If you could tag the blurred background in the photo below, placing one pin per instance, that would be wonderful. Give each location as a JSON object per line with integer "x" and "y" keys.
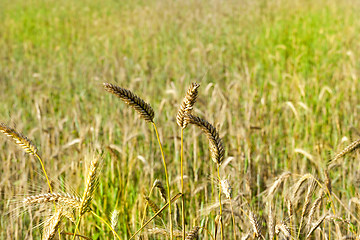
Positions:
{"x": 279, "y": 80}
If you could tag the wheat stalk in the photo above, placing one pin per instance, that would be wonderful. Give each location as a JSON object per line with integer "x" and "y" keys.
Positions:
{"x": 216, "y": 146}
{"x": 187, "y": 105}
{"x": 52, "y": 225}
{"x": 271, "y": 222}
{"x": 67, "y": 199}
{"x": 90, "y": 186}
{"x": 140, "y": 106}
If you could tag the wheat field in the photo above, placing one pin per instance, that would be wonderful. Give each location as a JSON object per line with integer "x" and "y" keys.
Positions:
{"x": 267, "y": 136}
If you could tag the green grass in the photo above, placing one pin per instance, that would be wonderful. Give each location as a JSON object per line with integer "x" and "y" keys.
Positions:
{"x": 275, "y": 76}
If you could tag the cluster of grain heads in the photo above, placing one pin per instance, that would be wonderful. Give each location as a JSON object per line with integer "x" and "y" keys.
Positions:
{"x": 140, "y": 106}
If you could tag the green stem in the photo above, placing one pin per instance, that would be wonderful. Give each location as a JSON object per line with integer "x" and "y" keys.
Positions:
{"x": 167, "y": 179}
{"x": 43, "y": 168}
{"x": 221, "y": 225}
{"x": 182, "y": 186}
{"x": 233, "y": 218}
{"x": 107, "y": 224}
{"x": 76, "y": 227}
{"x": 161, "y": 209}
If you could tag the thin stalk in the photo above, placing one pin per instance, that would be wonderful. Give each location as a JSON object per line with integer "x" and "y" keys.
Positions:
{"x": 233, "y": 218}
{"x": 43, "y": 168}
{"x": 167, "y": 179}
{"x": 212, "y": 237}
{"x": 182, "y": 186}
{"x": 78, "y": 235}
{"x": 221, "y": 225}
{"x": 107, "y": 224}
{"x": 76, "y": 227}
{"x": 161, "y": 209}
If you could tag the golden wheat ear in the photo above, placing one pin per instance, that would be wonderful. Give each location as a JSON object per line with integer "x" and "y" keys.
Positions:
{"x": 187, "y": 105}
{"x": 52, "y": 225}
{"x": 216, "y": 145}
{"x": 140, "y": 106}
{"x": 20, "y": 139}
{"x": 90, "y": 186}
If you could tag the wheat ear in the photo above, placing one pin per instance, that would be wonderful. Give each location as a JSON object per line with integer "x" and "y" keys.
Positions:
{"x": 314, "y": 207}
{"x": 193, "y": 233}
{"x": 67, "y": 199}
{"x": 52, "y": 225}
{"x": 226, "y": 188}
{"x": 26, "y": 144}
{"x": 284, "y": 229}
{"x": 20, "y": 139}
{"x": 255, "y": 224}
{"x": 354, "y": 145}
{"x": 153, "y": 206}
{"x": 114, "y": 220}
{"x": 187, "y": 105}
{"x": 90, "y": 186}
{"x": 140, "y": 106}
{"x": 299, "y": 183}
{"x": 328, "y": 182}
{"x": 216, "y": 145}
{"x": 164, "y": 232}
{"x": 316, "y": 225}
{"x": 158, "y": 184}
{"x": 278, "y": 182}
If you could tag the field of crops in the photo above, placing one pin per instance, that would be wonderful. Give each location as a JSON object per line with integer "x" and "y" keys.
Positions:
{"x": 279, "y": 90}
